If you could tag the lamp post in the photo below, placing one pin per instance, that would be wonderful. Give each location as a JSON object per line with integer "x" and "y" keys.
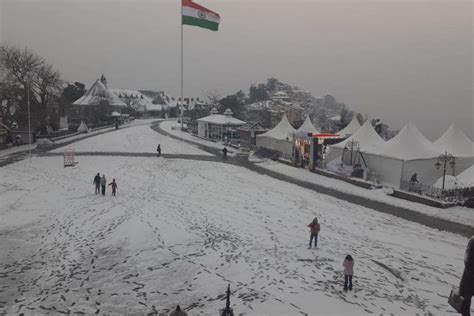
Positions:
{"x": 444, "y": 159}
{"x": 29, "y": 118}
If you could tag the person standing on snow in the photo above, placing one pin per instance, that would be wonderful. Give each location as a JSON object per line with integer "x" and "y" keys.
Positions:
{"x": 158, "y": 150}
{"x": 348, "y": 265}
{"x": 103, "y": 183}
{"x": 315, "y": 228}
{"x": 97, "y": 183}
{"x": 466, "y": 287}
{"x": 114, "y": 186}
{"x": 224, "y": 152}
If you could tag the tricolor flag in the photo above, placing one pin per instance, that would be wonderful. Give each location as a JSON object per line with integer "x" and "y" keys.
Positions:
{"x": 197, "y": 15}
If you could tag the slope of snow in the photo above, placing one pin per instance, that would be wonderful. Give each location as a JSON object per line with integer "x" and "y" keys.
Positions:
{"x": 457, "y": 214}
{"x": 139, "y": 138}
{"x": 179, "y": 231}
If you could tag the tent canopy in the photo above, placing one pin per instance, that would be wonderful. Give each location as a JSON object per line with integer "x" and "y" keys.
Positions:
{"x": 307, "y": 127}
{"x": 351, "y": 128}
{"x": 282, "y": 131}
{"x": 455, "y": 142}
{"x": 409, "y": 144}
{"x": 366, "y": 136}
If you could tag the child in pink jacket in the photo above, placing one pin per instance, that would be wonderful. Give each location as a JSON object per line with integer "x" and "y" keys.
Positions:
{"x": 348, "y": 265}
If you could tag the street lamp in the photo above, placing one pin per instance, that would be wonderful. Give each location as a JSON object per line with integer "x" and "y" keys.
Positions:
{"x": 29, "y": 118}
{"x": 444, "y": 159}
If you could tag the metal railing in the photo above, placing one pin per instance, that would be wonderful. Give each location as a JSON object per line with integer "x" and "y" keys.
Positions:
{"x": 448, "y": 195}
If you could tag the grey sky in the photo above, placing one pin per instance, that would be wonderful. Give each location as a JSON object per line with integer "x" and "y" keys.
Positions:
{"x": 397, "y": 60}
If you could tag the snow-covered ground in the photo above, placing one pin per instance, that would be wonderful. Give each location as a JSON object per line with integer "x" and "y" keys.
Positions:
{"x": 140, "y": 138}
{"x": 174, "y": 128}
{"x": 457, "y": 214}
{"x": 179, "y": 231}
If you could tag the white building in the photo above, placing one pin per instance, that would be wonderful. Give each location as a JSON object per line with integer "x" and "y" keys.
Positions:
{"x": 218, "y": 126}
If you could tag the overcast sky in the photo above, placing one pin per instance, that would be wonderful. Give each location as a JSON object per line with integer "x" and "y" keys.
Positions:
{"x": 397, "y": 60}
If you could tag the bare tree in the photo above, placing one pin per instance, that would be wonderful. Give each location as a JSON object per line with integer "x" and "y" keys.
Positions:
{"x": 213, "y": 97}
{"x": 132, "y": 102}
{"x": 25, "y": 70}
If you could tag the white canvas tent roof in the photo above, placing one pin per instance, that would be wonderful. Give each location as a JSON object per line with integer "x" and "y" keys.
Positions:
{"x": 467, "y": 176}
{"x": 282, "y": 131}
{"x": 409, "y": 144}
{"x": 366, "y": 136}
{"x": 351, "y": 128}
{"x": 221, "y": 119}
{"x": 307, "y": 127}
{"x": 455, "y": 142}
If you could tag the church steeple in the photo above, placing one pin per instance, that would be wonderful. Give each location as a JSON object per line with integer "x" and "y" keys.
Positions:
{"x": 103, "y": 80}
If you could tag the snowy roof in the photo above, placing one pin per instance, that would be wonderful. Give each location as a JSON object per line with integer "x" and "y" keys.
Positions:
{"x": 409, "y": 144}
{"x": 308, "y": 127}
{"x": 351, "y": 128}
{"x": 455, "y": 142}
{"x": 221, "y": 119}
{"x": 98, "y": 93}
{"x": 366, "y": 136}
{"x": 283, "y": 130}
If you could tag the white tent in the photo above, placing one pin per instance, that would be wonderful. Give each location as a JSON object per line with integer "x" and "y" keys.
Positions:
{"x": 399, "y": 158}
{"x": 280, "y": 138}
{"x": 365, "y": 140}
{"x": 307, "y": 127}
{"x": 467, "y": 177}
{"x": 457, "y": 144}
{"x": 351, "y": 128}
{"x": 83, "y": 128}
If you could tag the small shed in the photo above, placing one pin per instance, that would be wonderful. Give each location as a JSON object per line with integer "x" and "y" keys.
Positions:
{"x": 248, "y": 133}
{"x": 219, "y": 126}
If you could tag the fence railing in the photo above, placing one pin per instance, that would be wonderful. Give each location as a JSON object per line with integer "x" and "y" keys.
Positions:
{"x": 449, "y": 195}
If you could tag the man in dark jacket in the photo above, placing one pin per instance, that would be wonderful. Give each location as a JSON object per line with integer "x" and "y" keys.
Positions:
{"x": 97, "y": 183}
{"x": 158, "y": 150}
{"x": 466, "y": 287}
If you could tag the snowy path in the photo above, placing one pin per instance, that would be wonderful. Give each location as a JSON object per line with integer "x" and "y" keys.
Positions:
{"x": 179, "y": 231}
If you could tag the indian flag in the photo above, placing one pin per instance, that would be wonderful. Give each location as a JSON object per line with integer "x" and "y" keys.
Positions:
{"x": 197, "y": 15}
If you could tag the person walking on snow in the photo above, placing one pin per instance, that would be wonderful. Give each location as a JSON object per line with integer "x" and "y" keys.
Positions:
{"x": 224, "y": 152}
{"x": 158, "y": 150}
{"x": 114, "y": 186}
{"x": 315, "y": 228}
{"x": 103, "y": 183}
{"x": 97, "y": 183}
{"x": 348, "y": 265}
{"x": 466, "y": 287}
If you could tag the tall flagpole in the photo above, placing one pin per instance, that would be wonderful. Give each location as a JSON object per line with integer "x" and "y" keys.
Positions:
{"x": 182, "y": 98}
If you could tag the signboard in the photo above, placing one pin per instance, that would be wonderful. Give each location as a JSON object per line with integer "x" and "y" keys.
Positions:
{"x": 69, "y": 158}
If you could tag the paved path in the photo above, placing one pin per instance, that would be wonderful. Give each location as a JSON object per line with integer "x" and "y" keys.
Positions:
{"x": 407, "y": 214}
